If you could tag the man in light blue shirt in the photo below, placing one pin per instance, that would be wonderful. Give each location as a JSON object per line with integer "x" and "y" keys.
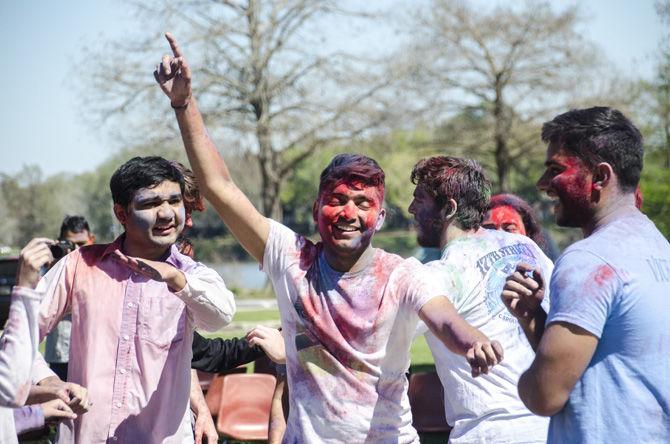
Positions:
{"x": 602, "y": 365}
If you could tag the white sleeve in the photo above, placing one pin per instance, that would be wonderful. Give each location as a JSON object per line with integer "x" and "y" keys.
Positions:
{"x": 18, "y": 347}
{"x": 207, "y": 299}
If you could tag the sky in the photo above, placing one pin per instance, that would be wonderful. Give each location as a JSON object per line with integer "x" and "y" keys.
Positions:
{"x": 41, "y": 41}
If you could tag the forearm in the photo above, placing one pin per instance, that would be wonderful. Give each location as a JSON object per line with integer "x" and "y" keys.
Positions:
{"x": 444, "y": 321}
{"x": 18, "y": 347}
{"x": 533, "y": 327}
{"x": 197, "y": 398}
{"x": 277, "y": 425}
{"x": 217, "y": 355}
{"x": 28, "y": 418}
{"x": 539, "y": 396}
{"x": 207, "y": 299}
{"x": 208, "y": 166}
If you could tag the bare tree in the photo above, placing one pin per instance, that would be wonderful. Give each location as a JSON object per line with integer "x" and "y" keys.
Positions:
{"x": 267, "y": 77}
{"x": 502, "y": 68}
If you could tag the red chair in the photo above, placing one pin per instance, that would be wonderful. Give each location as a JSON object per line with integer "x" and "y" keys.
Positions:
{"x": 426, "y": 397}
{"x": 244, "y": 412}
{"x": 211, "y": 384}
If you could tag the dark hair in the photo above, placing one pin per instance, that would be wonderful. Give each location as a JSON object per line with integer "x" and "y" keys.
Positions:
{"x": 142, "y": 172}
{"x": 73, "y": 224}
{"x": 530, "y": 223}
{"x": 446, "y": 177}
{"x": 193, "y": 200}
{"x": 600, "y": 134}
{"x": 352, "y": 168}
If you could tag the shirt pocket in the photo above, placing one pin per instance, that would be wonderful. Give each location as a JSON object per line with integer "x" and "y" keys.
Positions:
{"x": 161, "y": 319}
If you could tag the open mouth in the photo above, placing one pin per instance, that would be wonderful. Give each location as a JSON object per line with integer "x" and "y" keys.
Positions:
{"x": 163, "y": 230}
{"x": 345, "y": 229}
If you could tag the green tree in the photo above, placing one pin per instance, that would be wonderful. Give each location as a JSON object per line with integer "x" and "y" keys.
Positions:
{"x": 495, "y": 73}
{"x": 267, "y": 76}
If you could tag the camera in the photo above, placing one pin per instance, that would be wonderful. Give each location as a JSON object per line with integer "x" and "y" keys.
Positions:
{"x": 61, "y": 248}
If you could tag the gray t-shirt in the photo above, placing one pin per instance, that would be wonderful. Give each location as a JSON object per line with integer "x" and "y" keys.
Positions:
{"x": 616, "y": 285}
{"x": 347, "y": 337}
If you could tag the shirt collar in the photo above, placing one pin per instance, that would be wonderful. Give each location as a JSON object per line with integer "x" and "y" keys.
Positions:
{"x": 172, "y": 256}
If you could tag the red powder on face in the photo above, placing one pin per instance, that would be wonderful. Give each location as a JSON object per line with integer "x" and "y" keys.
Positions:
{"x": 350, "y": 203}
{"x": 505, "y": 218}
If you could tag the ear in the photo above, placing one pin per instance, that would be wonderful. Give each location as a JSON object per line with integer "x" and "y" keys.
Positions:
{"x": 121, "y": 214}
{"x": 315, "y": 210}
{"x": 449, "y": 210}
{"x": 602, "y": 175}
{"x": 381, "y": 217}
{"x": 91, "y": 238}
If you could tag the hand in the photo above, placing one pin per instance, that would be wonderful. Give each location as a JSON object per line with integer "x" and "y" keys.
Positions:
{"x": 204, "y": 426}
{"x": 522, "y": 294}
{"x": 33, "y": 257}
{"x": 484, "y": 355}
{"x": 155, "y": 270}
{"x": 57, "y": 410}
{"x": 270, "y": 340}
{"x": 74, "y": 395}
{"x": 174, "y": 76}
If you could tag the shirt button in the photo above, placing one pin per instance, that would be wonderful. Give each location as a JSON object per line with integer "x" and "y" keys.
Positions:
{"x": 114, "y": 438}
{"x": 130, "y": 305}
{"x": 126, "y": 337}
{"x": 122, "y": 371}
{"x": 118, "y": 404}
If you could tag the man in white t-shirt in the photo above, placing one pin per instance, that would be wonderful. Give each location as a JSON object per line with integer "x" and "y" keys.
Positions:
{"x": 348, "y": 310}
{"x": 450, "y": 200}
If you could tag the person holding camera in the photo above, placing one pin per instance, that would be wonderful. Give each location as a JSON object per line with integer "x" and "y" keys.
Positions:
{"x": 74, "y": 233}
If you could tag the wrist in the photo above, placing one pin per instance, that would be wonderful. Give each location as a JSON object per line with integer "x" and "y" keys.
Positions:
{"x": 180, "y": 105}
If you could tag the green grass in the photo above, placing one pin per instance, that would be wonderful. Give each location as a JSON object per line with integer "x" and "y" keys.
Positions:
{"x": 421, "y": 357}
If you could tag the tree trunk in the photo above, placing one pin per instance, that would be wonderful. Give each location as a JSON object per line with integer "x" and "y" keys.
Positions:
{"x": 501, "y": 132}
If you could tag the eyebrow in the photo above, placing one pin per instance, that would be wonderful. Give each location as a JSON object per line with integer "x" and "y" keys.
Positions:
{"x": 158, "y": 197}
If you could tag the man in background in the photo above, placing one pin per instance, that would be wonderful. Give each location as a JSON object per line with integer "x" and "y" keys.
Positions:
{"x": 75, "y": 230}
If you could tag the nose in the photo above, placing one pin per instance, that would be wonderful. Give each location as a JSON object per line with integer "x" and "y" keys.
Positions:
{"x": 165, "y": 211}
{"x": 349, "y": 210}
{"x": 543, "y": 182}
{"x": 410, "y": 209}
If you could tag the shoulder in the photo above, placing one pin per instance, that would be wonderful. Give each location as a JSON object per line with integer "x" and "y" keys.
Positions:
{"x": 89, "y": 253}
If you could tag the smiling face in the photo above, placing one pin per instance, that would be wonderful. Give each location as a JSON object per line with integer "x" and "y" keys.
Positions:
{"x": 504, "y": 218}
{"x": 568, "y": 180}
{"x": 153, "y": 219}
{"x": 347, "y": 215}
{"x": 428, "y": 218}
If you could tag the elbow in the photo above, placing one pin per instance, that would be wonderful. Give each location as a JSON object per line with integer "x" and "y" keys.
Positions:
{"x": 541, "y": 401}
{"x": 543, "y": 407}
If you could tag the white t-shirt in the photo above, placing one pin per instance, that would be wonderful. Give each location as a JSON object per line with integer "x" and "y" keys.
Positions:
{"x": 472, "y": 273}
{"x": 347, "y": 337}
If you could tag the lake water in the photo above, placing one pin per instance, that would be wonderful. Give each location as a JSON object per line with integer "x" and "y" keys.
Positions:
{"x": 240, "y": 274}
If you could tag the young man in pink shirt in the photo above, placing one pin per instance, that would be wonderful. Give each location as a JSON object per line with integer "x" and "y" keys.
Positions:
{"x": 134, "y": 305}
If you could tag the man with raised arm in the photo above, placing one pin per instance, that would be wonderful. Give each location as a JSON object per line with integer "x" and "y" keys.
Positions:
{"x": 602, "y": 364}
{"x": 348, "y": 310}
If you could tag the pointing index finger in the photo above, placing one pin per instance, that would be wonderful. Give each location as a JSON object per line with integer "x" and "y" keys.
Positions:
{"x": 173, "y": 44}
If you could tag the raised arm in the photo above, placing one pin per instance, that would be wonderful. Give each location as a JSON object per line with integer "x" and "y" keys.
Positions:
{"x": 20, "y": 338}
{"x": 460, "y": 337}
{"x": 238, "y": 213}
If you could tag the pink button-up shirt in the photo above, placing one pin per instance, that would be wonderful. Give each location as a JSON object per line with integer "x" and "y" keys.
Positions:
{"x": 131, "y": 342}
